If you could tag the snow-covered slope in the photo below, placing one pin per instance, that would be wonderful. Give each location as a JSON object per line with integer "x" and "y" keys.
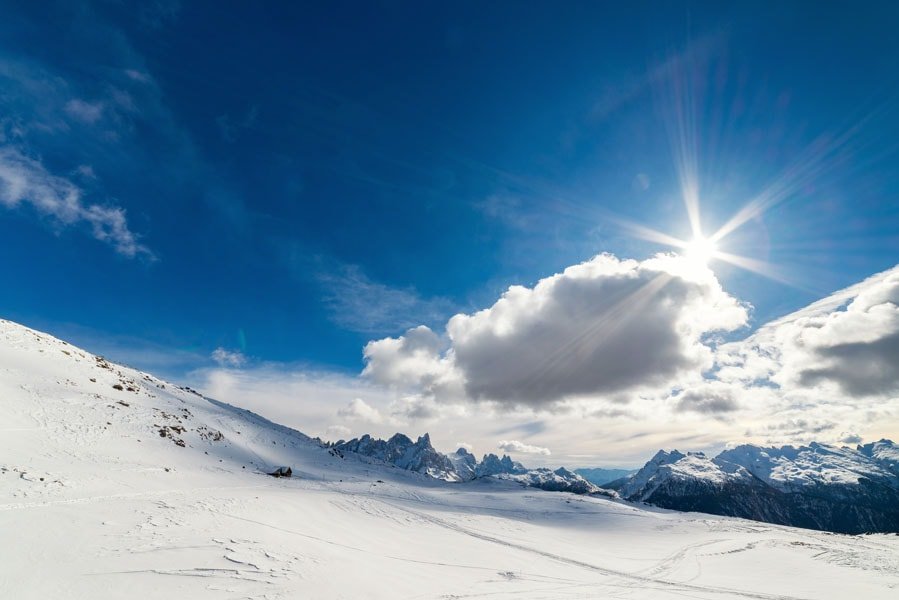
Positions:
{"x": 794, "y": 468}
{"x": 884, "y": 452}
{"x": 157, "y": 492}
{"x": 819, "y": 486}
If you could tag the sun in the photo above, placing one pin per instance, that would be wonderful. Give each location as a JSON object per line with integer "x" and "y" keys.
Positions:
{"x": 700, "y": 250}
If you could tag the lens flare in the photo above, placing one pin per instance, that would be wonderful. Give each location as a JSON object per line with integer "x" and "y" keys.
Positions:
{"x": 700, "y": 250}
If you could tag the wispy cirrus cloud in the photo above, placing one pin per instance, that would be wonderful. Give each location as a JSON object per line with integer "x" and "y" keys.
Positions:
{"x": 228, "y": 358}
{"x": 230, "y": 127}
{"x": 56, "y": 127}
{"x": 25, "y": 181}
{"x": 87, "y": 112}
{"x": 360, "y": 304}
{"x": 77, "y": 130}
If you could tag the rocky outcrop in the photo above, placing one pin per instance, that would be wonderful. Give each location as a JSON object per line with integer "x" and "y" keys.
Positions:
{"x": 400, "y": 451}
{"x": 491, "y": 464}
{"x": 464, "y": 463}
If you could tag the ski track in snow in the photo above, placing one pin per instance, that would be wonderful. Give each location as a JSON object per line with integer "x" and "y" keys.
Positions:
{"x": 645, "y": 580}
{"x": 157, "y": 492}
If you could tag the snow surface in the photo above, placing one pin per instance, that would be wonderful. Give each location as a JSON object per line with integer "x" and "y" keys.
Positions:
{"x": 152, "y": 491}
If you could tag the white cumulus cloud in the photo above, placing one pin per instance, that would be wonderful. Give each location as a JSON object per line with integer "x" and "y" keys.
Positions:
{"x": 846, "y": 344}
{"x": 521, "y": 448}
{"x": 605, "y": 327}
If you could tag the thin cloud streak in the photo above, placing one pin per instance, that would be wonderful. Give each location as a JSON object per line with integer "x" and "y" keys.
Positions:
{"x": 25, "y": 180}
{"x": 360, "y": 304}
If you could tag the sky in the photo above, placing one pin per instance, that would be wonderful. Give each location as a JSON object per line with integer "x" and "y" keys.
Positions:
{"x": 573, "y": 232}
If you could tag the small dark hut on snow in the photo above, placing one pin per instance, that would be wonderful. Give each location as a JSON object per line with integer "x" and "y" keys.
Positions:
{"x": 282, "y": 472}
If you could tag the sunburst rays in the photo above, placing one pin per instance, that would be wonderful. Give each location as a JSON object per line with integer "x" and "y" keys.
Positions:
{"x": 680, "y": 93}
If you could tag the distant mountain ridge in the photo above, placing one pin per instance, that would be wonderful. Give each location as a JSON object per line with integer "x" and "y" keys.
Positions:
{"x": 817, "y": 486}
{"x": 461, "y": 465}
{"x": 601, "y": 476}
{"x": 399, "y": 450}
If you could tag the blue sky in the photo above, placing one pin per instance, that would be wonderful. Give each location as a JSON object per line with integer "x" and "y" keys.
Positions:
{"x": 290, "y": 182}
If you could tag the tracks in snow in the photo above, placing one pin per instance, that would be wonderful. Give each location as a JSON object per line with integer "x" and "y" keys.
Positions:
{"x": 631, "y": 577}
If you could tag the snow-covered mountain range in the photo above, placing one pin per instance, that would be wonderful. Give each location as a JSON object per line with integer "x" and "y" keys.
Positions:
{"x": 601, "y": 476}
{"x": 117, "y": 484}
{"x": 816, "y": 486}
{"x": 460, "y": 466}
